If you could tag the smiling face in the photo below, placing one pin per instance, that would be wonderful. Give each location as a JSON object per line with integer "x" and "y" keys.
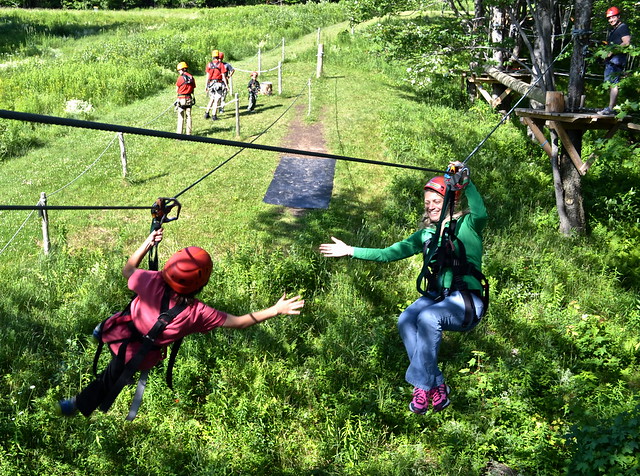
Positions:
{"x": 433, "y": 205}
{"x": 613, "y": 20}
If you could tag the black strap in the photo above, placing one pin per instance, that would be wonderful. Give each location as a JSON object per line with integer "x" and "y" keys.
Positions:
{"x": 96, "y": 357}
{"x": 164, "y": 319}
{"x": 175, "y": 347}
{"x": 137, "y": 398}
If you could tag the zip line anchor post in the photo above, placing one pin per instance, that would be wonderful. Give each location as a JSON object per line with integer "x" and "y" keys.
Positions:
{"x": 123, "y": 154}
{"x": 46, "y": 243}
{"x": 237, "y": 116}
{"x": 309, "y": 87}
{"x": 282, "y": 55}
{"x": 319, "y": 63}
{"x": 259, "y": 60}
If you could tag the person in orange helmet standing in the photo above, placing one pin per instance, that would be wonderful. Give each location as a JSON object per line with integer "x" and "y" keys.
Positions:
{"x": 175, "y": 286}
{"x": 615, "y": 62}
{"x": 185, "y": 86}
{"x": 217, "y": 85}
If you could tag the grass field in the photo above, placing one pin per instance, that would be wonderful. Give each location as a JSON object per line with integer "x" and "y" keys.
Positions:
{"x": 548, "y": 384}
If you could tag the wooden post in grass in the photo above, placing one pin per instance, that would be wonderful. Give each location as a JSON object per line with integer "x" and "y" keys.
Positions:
{"x": 280, "y": 78}
{"x": 259, "y": 61}
{"x": 318, "y": 37}
{"x": 282, "y": 55}
{"x": 237, "y": 116}
{"x": 230, "y": 80}
{"x": 319, "y": 63}
{"x": 123, "y": 154}
{"x": 46, "y": 243}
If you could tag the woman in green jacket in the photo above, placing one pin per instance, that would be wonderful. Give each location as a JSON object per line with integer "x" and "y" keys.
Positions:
{"x": 455, "y": 298}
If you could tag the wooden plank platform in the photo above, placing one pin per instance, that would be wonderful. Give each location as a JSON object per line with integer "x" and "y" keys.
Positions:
{"x": 561, "y": 121}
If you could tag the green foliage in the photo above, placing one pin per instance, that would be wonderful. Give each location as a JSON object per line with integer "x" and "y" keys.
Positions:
{"x": 610, "y": 446}
{"x": 114, "y": 63}
{"x": 322, "y": 392}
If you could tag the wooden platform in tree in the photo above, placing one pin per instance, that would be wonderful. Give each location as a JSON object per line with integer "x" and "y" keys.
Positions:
{"x": 537, "y": 119}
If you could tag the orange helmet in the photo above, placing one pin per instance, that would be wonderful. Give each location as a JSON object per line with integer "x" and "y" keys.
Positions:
{"x": 438, "y": 184}
{"x": 215, "y": 54}
{"x": 188, "y": 270}
{"x": 254, "y": 74}
{"x": 221, "y": 55}
{"x": 613, "y": 11}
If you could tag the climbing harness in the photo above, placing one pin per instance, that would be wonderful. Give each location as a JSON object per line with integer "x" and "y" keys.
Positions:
{"x": 128, "y": 332}
{"x": 122, "y": 324}
{"x": 441, "y": 254}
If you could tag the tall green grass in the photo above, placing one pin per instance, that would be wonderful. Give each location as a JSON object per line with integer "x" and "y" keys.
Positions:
{"x": 323, "y": 392}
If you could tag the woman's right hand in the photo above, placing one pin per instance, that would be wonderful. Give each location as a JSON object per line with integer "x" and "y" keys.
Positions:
{"x": 336, "y": 249}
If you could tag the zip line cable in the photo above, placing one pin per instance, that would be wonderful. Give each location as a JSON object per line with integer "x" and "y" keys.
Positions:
{"x": 61, "y": 121}
{"x": 17, "y": 231}
{"x": 506, "y": 116}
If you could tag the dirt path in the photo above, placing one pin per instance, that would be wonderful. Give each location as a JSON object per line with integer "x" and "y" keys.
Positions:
{"x": 305, "y": 136}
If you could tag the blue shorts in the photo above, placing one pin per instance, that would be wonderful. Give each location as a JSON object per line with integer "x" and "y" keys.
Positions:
{"x": 613, "y": 71}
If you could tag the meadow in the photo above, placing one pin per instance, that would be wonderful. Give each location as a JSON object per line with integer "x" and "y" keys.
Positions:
{"x": 547, "y": 384}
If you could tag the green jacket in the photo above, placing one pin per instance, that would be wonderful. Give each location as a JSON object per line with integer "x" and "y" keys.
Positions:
{"x": 469, "y": 231}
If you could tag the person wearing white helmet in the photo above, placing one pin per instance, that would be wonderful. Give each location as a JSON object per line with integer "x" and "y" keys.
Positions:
{"x": 184, "y": 88}
{"x": 615, "y": 62}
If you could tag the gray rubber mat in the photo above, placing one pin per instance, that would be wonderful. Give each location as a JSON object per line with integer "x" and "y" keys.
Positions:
{"x": 302, "y": 183}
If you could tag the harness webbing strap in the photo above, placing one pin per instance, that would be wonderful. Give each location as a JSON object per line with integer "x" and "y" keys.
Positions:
{"x": 440, "y": 253}
{"x": 164, "y": 319}
{"x": 137, "y": 398}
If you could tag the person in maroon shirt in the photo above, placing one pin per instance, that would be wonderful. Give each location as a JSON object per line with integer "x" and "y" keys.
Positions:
{"x": 185, "y": 85}
{"x": 182, "y": 277}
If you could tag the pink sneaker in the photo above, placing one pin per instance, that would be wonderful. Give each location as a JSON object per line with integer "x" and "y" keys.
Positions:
{"x": 439, "y": 397}
{"x": 420, "y": 402}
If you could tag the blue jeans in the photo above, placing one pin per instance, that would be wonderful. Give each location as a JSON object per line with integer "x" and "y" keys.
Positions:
{"x": 421, "y": 325}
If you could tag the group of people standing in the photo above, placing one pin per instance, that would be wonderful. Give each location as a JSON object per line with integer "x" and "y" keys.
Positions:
{"x": 218, "y": 76}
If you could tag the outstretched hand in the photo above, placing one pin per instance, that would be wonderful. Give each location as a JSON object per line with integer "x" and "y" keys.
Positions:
{"x": 336, "y": 249}
{"x": 289, "y": 306}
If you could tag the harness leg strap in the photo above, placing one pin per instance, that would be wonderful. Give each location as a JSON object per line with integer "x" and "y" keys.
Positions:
{"x": 137, "y": 398}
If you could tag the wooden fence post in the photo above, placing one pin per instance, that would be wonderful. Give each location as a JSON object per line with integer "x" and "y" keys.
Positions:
{"x": 46, "y": 243}
{"x": 259, "y": 61}
{"x": 282, "y": 55}
{"x": 318, "y": 37}
{"x": 123, "y": 154}
{"x": 280, "y": 78}
{"x": 237, "y": 116}
{"x": 230, "y": 79}
{"x": 319, "y": 64}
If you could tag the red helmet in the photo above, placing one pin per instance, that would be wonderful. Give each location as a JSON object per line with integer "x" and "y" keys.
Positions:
{"x": 439, "y": 185}
{"x": 221, "y": 56}
{"x": 188, "y": 270}
{"x": 613, "y": 11}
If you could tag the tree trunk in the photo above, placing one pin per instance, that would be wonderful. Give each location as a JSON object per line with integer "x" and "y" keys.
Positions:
{"x": 568, "y": 185}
